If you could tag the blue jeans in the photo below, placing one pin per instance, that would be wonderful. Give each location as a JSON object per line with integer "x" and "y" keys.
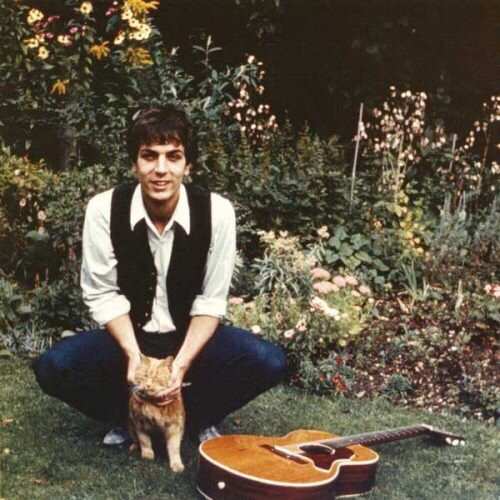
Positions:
{"x": 88, "y": 372}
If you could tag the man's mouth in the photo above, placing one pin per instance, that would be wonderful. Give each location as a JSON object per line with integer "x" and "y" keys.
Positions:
{"x": 160, "y": 184}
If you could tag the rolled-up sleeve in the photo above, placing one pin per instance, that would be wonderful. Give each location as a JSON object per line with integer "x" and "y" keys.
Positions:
{"x": 98, "y": 278}
{"x": 220, "y": 261}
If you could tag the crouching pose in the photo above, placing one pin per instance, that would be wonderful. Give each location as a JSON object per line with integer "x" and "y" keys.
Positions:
{"x": 158, "y": 256}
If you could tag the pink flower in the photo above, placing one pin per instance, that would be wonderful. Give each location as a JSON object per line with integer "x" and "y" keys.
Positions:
{"x": 73, "y": 30}
{"x": 235, "y": 301}
{"x": 364, "y": 290}
{"x": 320, "y": 274}
{"x": 289, "y": 333}
{"x": 301, "y": 325}
{"x": 325, "y": 287}
{"x": 488, "y": 288}
{"x": 339, "y": 281}
{"x": 351, "y": 280}
{"x": 355, "y": 293}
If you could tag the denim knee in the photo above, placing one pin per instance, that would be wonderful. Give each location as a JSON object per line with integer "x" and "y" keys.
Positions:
{"x": 48, "y": 371}
{"x": 274, "y": 364}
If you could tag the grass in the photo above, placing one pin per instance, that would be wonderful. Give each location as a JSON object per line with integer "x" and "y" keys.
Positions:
{"x": 49, "y": 451}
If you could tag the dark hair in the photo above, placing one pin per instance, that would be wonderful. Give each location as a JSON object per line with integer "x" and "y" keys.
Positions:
{"x": 161, "y": 125}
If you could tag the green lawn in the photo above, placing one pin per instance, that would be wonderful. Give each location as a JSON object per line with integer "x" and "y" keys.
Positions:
{"x": 49, "y": 451}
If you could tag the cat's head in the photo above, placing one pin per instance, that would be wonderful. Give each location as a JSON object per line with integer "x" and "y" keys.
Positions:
{"x": 152, "y": 376}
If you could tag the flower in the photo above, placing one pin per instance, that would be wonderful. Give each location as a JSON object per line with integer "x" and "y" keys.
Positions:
{"x": 22, "y": 202}
{"x": 301, "y": 325}
{"x": 100, "y": 51}
{"x": 86, "y": 8}
{"x": 34, "y": 15}
{"x": 235, "y": 301}
{"x": 364, "y": 290}
{"x": 32, "y": 43}
{"x": 323, "y": 232}
{"x": 59, "y": 87}
{"x": 289, "y": 333}
{"x": 41, "y": 216}
{"x": 119, "y": 38}
{"x": 355, "y": 293}
{"x": 43, "y": 53}
{"x": 256, "y": 329}
{"x": 325, "y": 287}
{"x": 351, "y": 280}
{"x": 139, "y": 7}
{"x": 339, "y": 281}
{"x": 331, "y": 312}
{"x": 64, "y": 40}
{"x": 138, "y": 57}
{"x": 320, "y": 274}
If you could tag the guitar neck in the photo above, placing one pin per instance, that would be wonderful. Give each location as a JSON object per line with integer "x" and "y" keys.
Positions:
{"x": 378, "y": 437}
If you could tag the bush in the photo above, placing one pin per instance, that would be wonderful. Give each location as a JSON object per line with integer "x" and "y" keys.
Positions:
{"x": 288, "y": 310}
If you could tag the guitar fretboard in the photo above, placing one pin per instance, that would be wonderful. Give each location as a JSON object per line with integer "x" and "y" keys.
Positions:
{"x": 378, "y": 437}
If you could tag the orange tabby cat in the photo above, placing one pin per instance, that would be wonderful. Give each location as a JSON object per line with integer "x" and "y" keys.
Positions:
{"x": 144, "y": 416}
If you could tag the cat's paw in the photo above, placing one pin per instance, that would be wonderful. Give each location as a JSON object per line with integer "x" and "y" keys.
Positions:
{"x": 148, "y": 454}
{"x": 177, "y": 467}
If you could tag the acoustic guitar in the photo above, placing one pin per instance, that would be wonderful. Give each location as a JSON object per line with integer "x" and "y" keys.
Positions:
{"x": 303, "y": 465}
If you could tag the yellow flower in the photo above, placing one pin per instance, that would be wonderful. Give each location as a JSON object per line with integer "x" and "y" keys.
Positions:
{"x": 133, "y": 23}
{"x": 138, "y": 57}
{"x": 126, "y": 14}
{"x": 100, "y": 51}
{"x": 34, "y": 15}
{"x": 64, "y": 39}
{"x": 86, "y": 8}
{"x": 43, "y": 53}
{"x": 32, "y": 43}
{"x": 119, "y": 39}
{"x": 139, "y": 7}
{"x": 59, "y": 87}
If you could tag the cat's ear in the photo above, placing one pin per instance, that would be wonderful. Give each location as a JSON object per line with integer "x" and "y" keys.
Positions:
{"x": 143, "y": 358}
{"x": 169, "y": 362}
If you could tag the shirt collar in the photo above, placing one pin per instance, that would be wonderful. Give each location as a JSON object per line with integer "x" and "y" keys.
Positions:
{"x": 181, "y": 213}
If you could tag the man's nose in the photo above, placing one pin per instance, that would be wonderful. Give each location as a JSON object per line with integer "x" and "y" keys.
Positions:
{"x": 161, "y": 165}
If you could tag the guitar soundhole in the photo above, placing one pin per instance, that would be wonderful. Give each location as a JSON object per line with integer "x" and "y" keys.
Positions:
{"x": 325, "y": 460}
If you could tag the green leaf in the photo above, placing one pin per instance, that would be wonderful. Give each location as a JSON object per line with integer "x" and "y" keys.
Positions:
{"x": 363, "y": 256}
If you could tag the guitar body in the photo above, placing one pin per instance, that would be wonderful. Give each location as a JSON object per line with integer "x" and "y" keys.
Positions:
{"x": 256, "y": 467}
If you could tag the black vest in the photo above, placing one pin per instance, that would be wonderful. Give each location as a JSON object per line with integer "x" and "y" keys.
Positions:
{"x": 136, "y": 270}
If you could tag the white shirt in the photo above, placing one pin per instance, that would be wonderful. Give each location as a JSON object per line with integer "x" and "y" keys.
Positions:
{"x": 98, "y": 277}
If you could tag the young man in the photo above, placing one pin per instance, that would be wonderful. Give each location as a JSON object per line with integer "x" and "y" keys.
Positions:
{"x": 157, "y": 263}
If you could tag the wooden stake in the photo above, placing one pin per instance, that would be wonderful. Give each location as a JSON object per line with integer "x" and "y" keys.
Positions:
{"x": 358, "y": 140}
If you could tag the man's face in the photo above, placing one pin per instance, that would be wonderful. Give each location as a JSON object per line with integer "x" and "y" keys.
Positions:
{"x": 160, "y": 169}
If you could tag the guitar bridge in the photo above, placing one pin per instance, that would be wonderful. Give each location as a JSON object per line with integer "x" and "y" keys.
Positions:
{"x": 282, "y": 452}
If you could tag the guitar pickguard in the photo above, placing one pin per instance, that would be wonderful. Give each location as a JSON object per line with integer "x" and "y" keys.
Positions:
{"x": 325, "y": 460}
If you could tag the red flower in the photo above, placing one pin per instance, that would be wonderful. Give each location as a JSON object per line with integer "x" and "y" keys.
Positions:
{"x": 340, "y": 360}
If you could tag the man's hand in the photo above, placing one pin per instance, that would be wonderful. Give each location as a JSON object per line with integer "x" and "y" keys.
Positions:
{"x": 174, "y": 386}
{"x": 133, "y": 363}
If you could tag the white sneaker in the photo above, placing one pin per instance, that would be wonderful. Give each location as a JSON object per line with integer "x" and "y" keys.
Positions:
{"x": 208, "y": 433}
{"x": 118, "y": 436}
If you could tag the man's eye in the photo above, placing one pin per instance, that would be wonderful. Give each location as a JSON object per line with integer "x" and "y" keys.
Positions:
{"x": 148, "y": 156}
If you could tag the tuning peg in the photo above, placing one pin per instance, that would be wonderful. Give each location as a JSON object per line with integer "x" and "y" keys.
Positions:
{"x": 455, "y": 442}
{"x": 448, "y": 440}
{"x": 462, "y": 443}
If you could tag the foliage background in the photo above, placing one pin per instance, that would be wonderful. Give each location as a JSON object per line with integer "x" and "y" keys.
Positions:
{"x": 367, "y": 272}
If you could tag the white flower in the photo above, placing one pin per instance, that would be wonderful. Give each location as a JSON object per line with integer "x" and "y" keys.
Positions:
{"x": 256, "y": 329}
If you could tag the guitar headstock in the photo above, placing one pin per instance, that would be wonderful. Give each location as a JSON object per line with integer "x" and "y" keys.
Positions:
{"x": 443, "y": 437}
